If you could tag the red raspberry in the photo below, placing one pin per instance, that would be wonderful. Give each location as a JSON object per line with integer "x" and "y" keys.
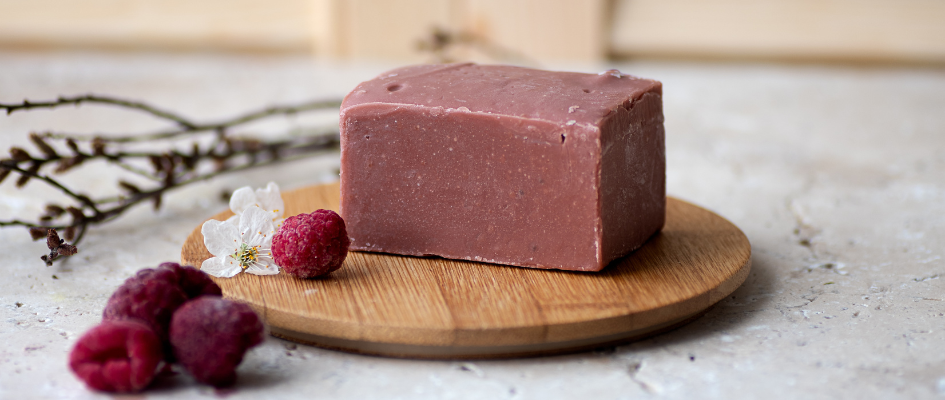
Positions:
{"x": 210, "y": 335}
{"x": 309, "y": 245}
{"x": 117, "y": 356}
{"x": 193, "y": 281}
{"x": 151, "y": 296}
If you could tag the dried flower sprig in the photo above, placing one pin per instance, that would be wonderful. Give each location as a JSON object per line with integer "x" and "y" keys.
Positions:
{"x": 213, "y": 150}
{"x": 441, "y": 45}
{"x": 57, "y": 247}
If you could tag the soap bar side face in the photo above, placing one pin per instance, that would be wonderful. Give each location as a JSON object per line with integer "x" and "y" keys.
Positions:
{"x": 475, "y": 186}
{"x": 633, "y": 174}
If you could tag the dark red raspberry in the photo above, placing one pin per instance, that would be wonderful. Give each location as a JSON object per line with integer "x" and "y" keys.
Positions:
{"x": 117, "y": 356}
{"x": 151, "y": 296}
{"x": 309, "y": 245}
{"x": 193, "y": 281}
{"x": 210, "y": 335}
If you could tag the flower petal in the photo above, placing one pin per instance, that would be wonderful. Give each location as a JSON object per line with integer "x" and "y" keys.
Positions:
{"x": 256, "y": 227}
{"x": 242, "y": 198}
{"x": 220, "y": 237}
{"x": 270, "y": 199}
{"x": 264, "y": 266}
{"x": 221, "y": 267}
{"x": 234, "y": 220}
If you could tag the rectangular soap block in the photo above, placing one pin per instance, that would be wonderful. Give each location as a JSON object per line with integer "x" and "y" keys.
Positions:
{"x": 503, "y": 165}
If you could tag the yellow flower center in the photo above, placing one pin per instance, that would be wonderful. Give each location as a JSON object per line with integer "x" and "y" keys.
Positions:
{"x": 246, "y": 255}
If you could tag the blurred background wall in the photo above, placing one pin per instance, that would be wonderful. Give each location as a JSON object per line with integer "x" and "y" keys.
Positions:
{"x": 858, "y": 31}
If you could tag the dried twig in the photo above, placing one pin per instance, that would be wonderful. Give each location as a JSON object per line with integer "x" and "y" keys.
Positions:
{"x": 91, "y": 98}
{"x": 195, "y": 127}
{"x": 160, "y": 163}
{"x": 441, "y": 43}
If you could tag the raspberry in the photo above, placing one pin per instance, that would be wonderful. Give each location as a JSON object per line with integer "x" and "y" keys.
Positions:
{"x": 193, "y": 281}
{"x": 309, "y": 245}
{"x": 210, "y": 335}
{"x": 151, "y": 296}
{"x": 117, "y": 356}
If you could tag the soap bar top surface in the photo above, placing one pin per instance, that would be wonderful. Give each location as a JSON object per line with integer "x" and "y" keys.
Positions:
{"x": 554, "y": 96}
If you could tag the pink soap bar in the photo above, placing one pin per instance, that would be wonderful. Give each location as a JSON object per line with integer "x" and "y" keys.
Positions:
{"x": 503, "y": 165}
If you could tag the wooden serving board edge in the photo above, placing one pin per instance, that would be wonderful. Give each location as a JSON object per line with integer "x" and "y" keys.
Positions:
{"x": 399, "y": 350}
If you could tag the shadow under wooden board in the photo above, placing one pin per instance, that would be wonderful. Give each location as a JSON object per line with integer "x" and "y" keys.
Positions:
{"x": 437, "y": 308}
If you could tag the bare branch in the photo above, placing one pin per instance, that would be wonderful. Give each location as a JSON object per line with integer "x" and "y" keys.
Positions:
{"x": 170, "y": 168}
{"x": 91, "y": 98}
{"x": 204, "y": 128}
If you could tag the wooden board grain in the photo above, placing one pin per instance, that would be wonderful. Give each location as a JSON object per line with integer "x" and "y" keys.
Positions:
{"x": 436, "y": 308}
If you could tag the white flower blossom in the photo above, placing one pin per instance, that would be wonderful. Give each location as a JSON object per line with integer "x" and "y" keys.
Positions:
{"x": 268, "y": 199}
{"x": 245, "y": 246}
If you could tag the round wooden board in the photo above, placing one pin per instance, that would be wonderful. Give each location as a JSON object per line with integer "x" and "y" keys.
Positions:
{"x": 436, "y": 308}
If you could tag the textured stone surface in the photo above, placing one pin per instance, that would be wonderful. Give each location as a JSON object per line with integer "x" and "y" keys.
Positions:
{"x": 834, "y": 173}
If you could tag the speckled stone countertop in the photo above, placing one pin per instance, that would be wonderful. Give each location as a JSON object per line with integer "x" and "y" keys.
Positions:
{"x": 836, "y": 174}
